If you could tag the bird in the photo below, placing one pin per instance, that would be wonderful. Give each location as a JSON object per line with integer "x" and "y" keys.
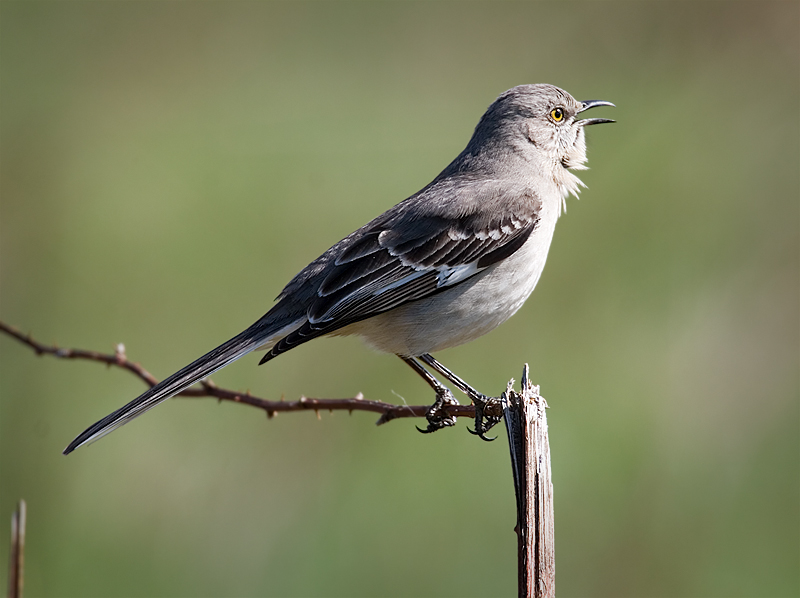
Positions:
{"x": 439, "y": 269}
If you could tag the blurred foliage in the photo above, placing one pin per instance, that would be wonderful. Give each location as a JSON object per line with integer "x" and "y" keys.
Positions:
{"x": 166, "y": 167}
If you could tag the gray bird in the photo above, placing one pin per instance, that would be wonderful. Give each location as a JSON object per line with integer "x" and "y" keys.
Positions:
{"x": 439, "y": 269}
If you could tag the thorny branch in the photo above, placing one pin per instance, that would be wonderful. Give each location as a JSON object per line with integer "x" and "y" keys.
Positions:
{"x": 207, "y": 388}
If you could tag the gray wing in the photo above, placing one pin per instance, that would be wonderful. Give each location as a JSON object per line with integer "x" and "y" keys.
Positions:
{"x": 403, "y": 257}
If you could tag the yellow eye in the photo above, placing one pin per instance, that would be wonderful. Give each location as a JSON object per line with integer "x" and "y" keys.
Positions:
{"x": 557, "y": 114}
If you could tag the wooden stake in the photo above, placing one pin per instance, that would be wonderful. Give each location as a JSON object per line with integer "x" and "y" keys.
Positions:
{"x": 526, "y": 423}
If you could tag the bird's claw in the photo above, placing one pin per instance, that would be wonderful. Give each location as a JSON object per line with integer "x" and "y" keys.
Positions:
{"x": 438, "y": 415}
{"x": 488, "y": 414}
{"x": 481, "y": 435}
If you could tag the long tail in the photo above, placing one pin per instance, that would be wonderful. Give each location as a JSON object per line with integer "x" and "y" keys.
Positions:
{"x": 228, "y": 352}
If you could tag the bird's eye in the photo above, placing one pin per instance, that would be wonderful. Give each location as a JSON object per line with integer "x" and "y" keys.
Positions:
{"x": 557, "y": 114}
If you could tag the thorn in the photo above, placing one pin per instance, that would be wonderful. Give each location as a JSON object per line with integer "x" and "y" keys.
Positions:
{"x": 319, "y": 417}
{"x": 387, "y": 416}
{"x": 271, "y": 414}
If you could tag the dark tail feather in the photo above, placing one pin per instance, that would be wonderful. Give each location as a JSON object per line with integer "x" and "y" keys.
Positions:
{"x": 209, "y": 363}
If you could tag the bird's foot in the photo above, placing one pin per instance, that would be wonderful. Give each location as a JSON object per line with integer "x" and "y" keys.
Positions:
{"x": 438, "y": 415}
{"x": 488, "y": 413}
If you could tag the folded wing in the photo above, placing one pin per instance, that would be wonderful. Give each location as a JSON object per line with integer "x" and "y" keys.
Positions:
{"x": 397, "y": 260}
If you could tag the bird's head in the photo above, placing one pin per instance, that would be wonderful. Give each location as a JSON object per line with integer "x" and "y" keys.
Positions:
{"x": 540, "y": 124}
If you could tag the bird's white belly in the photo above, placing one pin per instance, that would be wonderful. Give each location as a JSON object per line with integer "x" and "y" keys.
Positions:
{"x": 468, "y": 310}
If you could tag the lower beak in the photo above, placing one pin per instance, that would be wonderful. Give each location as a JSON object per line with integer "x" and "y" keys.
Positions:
{"x": 593, "y": 104}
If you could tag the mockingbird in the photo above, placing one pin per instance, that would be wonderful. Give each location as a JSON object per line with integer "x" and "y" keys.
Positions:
{"x": 441, "y": 268}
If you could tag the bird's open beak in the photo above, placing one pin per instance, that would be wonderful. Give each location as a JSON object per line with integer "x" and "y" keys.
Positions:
{"x": 593, "y": 104}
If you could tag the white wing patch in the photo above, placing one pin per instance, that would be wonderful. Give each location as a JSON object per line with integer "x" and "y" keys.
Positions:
{"x": 401, "y": 282}
{"x": 449, "y": 276}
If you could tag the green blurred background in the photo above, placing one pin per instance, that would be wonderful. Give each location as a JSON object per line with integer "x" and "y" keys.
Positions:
{"x": 167, "y": 167}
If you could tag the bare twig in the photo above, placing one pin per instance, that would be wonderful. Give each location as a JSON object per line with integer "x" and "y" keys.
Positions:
{"x": 526, "y": 423}
{"x": 207, "y": 388}
{"x": 16, "y": 559}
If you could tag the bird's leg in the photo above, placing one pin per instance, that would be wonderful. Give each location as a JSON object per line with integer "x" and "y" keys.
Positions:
{"x": 438, "y": 417}
{"x": 487, "y": 415}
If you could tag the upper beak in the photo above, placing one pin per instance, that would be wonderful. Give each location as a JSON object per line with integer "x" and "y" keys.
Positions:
{"x": 593, "y": 104}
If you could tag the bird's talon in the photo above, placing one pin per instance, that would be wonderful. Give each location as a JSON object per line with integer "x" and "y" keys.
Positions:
{"x": 483, "y": 422}
{"x": 438, "y": 416}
